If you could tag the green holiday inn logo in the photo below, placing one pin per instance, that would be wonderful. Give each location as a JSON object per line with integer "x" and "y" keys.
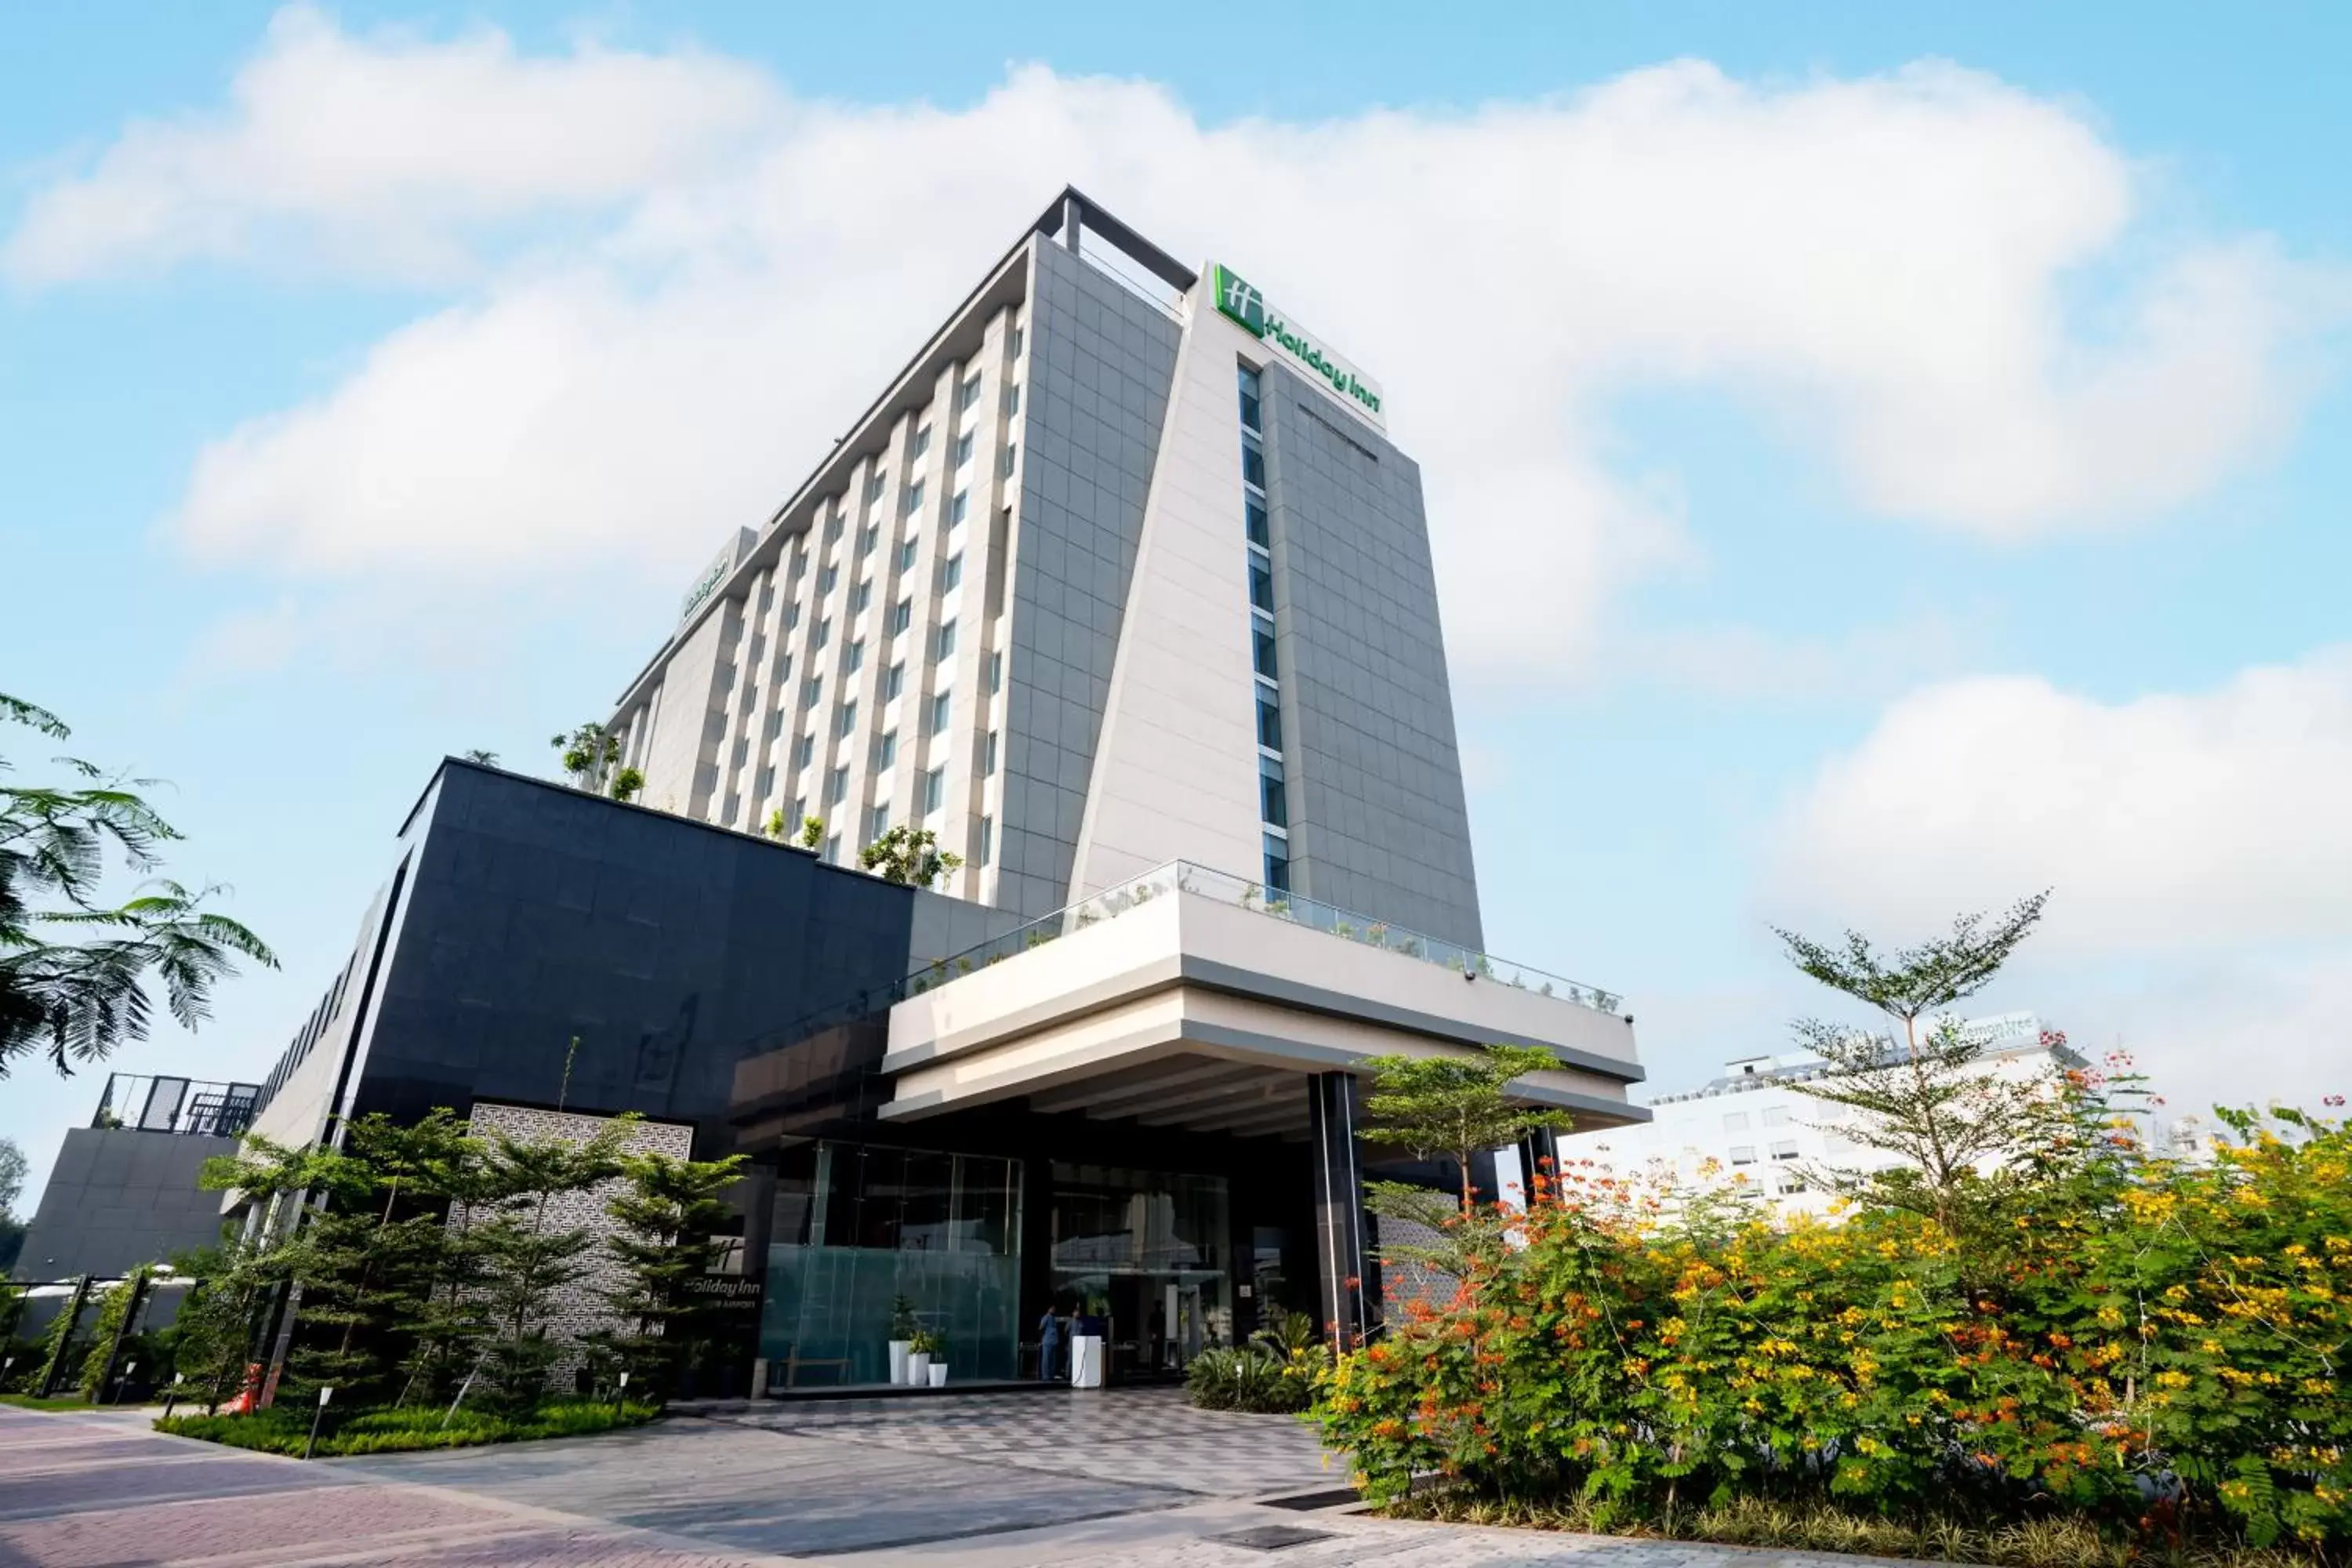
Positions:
{"x": 1247, "y": 309}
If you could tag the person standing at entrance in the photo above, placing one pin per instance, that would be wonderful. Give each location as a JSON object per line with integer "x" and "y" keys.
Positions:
{"x": 1049, "y": 1344}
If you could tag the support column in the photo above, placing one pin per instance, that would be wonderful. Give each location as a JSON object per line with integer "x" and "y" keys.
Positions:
{"x": 1538, "y": 1156}
{"x": 1338, "y": 1206}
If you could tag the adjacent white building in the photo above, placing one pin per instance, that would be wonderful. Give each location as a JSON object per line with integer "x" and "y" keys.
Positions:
{"x": 1755, "y": 1127}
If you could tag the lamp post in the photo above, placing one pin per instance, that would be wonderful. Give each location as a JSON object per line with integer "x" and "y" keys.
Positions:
{"x": 326, "y": 1392}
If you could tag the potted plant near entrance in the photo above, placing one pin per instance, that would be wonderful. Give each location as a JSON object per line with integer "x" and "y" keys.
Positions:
{"x": 902, "y": 1338}
{"x": 918, "y": 1358}
{"x": 934, "y": 1356}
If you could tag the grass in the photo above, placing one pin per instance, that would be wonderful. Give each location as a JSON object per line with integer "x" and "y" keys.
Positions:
{"x": 2032, "y": 1543}
{"x": 283, "y": 1429}
{"x": 59, "y": 1401}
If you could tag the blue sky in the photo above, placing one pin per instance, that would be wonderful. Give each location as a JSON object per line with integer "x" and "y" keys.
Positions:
{"x": 1881, "y": 461}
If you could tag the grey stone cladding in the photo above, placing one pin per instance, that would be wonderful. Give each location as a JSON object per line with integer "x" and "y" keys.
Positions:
{"x": 580, "y": 1307}
{"x": 118, "y": 1197}
{"x": 1101, "y": 361}
{"x": 1378, "y": 822}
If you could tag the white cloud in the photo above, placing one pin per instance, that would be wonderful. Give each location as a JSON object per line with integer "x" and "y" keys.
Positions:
{"x": 383, "y": 153}
{"x": 2170, "y": 825}
{"x": 1878, "y": 264}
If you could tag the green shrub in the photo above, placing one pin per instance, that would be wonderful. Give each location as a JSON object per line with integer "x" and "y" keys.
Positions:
{"x": 1248, "y": 1379}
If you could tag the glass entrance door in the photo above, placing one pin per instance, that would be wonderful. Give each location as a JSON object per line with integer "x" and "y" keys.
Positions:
{"x": 1147, "y": 1252}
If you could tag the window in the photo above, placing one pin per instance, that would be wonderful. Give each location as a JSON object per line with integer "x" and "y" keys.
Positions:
{"x": 894, "y": 681}
{"x": 1273, "y": 805}
{"x": 800, "y": 562}
{"x": 958, "y": 508}
{"x": 941, "y": 707}
{"x": 902, "y": 615}
{"x": 1784, "y": 1148}
{"x": 1261, "y": 584}
{"x": 1791, "y": 1184}
{"x": 1278, "y": 864}
{"x": 922, "y": 443}
{"x": 838, "y": 520}
{"x": 1253, "y": 461}
{"x": 944, "y": 644}
{"x": 1262, "y": 649}
{"x": 877, "y": 822}
{"x": 1743, "y": 1153}
{"x": 767, "y": 598}
{"x": 853, "y": 658}
{"x": 804, "y": 751}
{"x": 963, "y": 449}
{"x": 836, "y": 788}
{"x": 951, "y": 573}
{"x": 812, "y": 691}
{"x": 827, "y": 579}
{"x": 800, "y": 812}
{"x": 792, "y": 617}
{"x": 1269, "y": 721}
{"x": 969, "y": 392}
{"x": 1249, "y": 399}
{"x": 845, "y": 719}
{"x": 1254, "y": 518}
{"x": 874, "y": 485}
{"x": 1777, "y": 1116}
{"x": 885, "y": 750}
{"x": 914, "y": 497}
{"x": 783, "y": 668}
{"x": 1011, "y": 399}
{"x": 823, "y": 635}
{"x": 869, "y": 539}
{"x": 1012, "y": 344}
{"x": 767, "y": 782}
{"x": 775, "y": 723}
{"x": 1735, "y": 1121}
{"x": 1006, "y": 458}
{"x": 935, "y": 788}
{"x": 988, "y": 756}
{"x": 996, "y": 672}
{"x": 861, "y": 595}
{"x": 832, "y": 850}
{"x": 987, "y": 846}
{"x": 907, "y": 556}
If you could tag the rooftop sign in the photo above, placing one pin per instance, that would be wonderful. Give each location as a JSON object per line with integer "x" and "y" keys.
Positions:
{"x": 1247, "y": 308}
{"x": 708, "y": 583}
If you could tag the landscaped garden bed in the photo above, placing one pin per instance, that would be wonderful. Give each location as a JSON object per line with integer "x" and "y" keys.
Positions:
{"x": 286, "y": 1429}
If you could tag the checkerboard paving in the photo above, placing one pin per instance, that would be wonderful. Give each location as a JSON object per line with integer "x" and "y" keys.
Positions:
{"x": 1143, "y": 1438}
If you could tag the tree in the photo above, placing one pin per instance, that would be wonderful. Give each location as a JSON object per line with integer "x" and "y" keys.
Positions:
{"x": 811, "y": 830}
{"x": 627, "y": 784}
{"x": 909, "y": 856}
{"x": 213, "y": 1336}
{"x": 1455, "y": 1107}
{"x": 1924, "y": 1097}
{"x": 525, "y": 1262}
{"x": 670, "y": 1214}
{"x": 11, "y": 1183}
{"x": 487, "y": 759}
{"x": 78, "y": 1001}
{"x": 588, "y": 756}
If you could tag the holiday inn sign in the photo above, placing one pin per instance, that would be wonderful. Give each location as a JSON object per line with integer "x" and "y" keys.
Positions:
{"x": 1247, "y": 308}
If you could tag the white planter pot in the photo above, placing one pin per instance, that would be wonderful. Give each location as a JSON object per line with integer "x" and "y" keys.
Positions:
{"x": 1086, "y": 1361}
{"x": 918, "y": 1369}
{"x": 939, "y": 1374}
{"x": 898, "y": 1349}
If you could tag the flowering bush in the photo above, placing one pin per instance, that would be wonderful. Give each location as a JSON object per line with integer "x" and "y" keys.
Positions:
{"x": 2152, "y": 1345}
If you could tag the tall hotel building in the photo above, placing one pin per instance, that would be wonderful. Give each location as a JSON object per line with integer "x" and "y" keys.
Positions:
{"x": 1123, "y": 568}
{"x": 1122, "y": 591}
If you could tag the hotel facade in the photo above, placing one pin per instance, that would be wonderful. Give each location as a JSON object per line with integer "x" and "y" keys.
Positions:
{"x": 1121, "y": 590}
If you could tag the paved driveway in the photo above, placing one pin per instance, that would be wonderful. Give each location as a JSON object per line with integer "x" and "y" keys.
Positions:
{"x": 1096, "y": 1480}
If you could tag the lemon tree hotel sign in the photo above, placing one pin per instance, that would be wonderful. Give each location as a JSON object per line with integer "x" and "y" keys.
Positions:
{"x": 1247, "y": 308}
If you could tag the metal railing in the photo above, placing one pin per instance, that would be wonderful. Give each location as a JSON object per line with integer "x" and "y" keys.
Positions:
{"x": 1184, "y": 877}
{"x": 164, "y": 1104}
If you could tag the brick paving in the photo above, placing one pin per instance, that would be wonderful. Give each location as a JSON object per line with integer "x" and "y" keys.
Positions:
{"x": 1125, "y": 1480}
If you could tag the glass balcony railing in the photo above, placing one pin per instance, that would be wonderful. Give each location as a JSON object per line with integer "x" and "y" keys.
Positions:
{"x": 1183, "y": 876}
{"x": 164, "y": 1104}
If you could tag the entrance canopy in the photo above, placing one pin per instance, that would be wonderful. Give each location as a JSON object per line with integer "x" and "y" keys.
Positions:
{"x": 1190, "y": 999}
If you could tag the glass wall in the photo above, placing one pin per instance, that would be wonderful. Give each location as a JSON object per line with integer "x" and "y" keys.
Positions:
{"x": 1149, "y": 1251}
{"x": 858, "y": 1226}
